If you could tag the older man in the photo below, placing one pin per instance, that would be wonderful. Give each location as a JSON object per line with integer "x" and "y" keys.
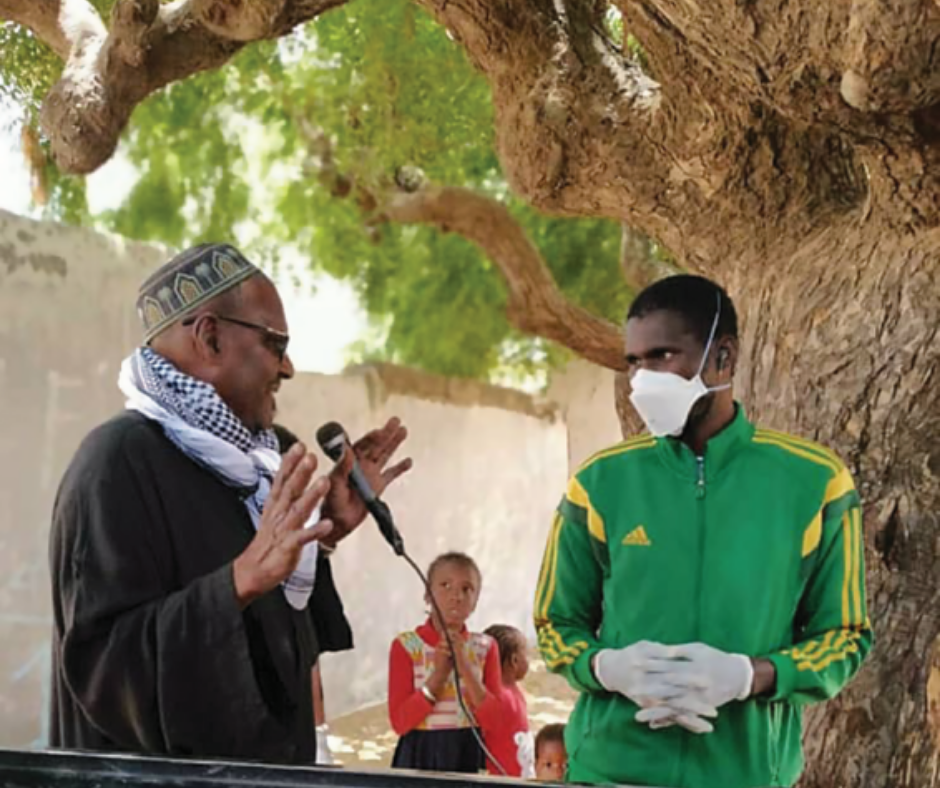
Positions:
{"x": 183, "y": 548}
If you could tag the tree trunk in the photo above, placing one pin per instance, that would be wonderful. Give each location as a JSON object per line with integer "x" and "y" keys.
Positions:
{"x": 840, "y": 344}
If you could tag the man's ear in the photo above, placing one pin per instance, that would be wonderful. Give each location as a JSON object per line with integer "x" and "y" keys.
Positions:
{"x": 726, "y": 361}
{"x": 206, "y": 336}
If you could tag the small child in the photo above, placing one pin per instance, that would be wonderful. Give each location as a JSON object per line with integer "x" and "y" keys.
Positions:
{"x": 551, "y": 758}
{"x": 423, "y": 708}
{"x": 508, "y": 739}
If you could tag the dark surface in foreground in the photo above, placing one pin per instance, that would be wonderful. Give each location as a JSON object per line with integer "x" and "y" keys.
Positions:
{"x": 53, "y": 769}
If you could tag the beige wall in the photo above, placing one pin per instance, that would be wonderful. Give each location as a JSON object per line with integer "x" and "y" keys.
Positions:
{"x": 489, "y": 463}
{"x": 64, "y": 325}
{"x": 585, "y": 396}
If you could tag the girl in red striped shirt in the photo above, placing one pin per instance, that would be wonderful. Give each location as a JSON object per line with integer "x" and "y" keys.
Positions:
{"x": 435, "y": 733}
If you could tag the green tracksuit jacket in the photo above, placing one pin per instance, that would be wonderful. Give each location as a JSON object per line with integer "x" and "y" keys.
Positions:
{"x": 755, "y": 548}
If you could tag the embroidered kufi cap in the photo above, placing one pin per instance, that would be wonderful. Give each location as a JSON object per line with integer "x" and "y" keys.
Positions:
{"x": 187, "y": 282}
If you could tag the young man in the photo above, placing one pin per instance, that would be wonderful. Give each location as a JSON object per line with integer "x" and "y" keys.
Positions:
{"x": 705, "y": 581}
{"x": 183, "y": 548}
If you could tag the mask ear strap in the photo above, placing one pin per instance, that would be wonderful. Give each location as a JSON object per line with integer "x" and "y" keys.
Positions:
{"x": 711, "y": 334}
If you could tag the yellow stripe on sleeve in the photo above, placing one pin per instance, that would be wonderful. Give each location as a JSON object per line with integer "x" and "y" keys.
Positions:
{"x": 836, "y": 646}
{"x": 817, "y": 449}
{"x": 857, "y": 565}
{"x": 812, "y": 535}
{"x": 840, "y": 484}
{"x": 851, "y": 648}
{"x": 549, "y": 562}
{"x": 847, "y": 568}
{"x": 552, "y": 570}
{"x": 578, "y": 496}
{"x": 762, "y": 437}
{"x": 846, "y": 644}
{"x": 546, "y": 562}
{"x": 567, "y": 658}
{"x": 548, "y": 634}
{"x": 813, "y": 648}
{"x": 637, "y": 442}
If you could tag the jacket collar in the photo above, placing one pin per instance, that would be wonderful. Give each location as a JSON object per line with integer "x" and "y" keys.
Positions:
{"x": 720, "y": 450}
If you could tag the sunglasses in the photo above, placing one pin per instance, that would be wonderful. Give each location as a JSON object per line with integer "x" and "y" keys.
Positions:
{"x": 274, "y": 340}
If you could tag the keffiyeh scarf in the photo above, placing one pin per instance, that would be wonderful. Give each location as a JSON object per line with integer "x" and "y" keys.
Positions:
{"x": 205, "y": 429}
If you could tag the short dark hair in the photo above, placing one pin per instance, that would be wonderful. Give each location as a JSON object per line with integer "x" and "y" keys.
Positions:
{"x": 508, "y": 639}
{"x": 695, "y": 299}
{"x": 550, "y": 733}
{"x": 453, "y": 557}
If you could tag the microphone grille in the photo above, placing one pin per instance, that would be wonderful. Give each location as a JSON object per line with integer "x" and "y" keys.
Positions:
{"x": 332, "y": 439}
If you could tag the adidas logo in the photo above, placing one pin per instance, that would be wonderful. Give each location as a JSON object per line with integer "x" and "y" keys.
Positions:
{"x": 637, "y": 537}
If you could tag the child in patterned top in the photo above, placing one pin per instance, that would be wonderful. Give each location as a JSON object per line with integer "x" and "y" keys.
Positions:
{"x": 423, "y": 708}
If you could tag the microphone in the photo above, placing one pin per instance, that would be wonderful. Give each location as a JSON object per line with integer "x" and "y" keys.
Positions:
{"x": 334, "y": 442}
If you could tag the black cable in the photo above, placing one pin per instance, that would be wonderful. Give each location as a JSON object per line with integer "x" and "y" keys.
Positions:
{"x": 450, "y": 644}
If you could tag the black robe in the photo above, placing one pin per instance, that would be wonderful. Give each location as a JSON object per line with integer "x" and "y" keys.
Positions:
{"x": 150, "y": 651}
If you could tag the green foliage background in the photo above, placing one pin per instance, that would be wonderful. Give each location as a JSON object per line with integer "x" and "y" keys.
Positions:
{"x": 285, "y": 147}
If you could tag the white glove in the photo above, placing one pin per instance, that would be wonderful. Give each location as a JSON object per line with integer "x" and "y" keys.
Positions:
{"x": 634, "y": 672}
{"x": 708, "y": 678}
{"x": 709, "y": 675}
{"x": 675, "y": 685}
{"x": 638, "y": 673}
{"x": 684, "y": 711}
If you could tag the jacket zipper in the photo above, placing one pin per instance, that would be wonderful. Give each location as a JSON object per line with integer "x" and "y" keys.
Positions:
{"x": 700, "y": 526}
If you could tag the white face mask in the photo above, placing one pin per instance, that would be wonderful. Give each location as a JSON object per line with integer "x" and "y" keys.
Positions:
{"x": 665, "y": 399}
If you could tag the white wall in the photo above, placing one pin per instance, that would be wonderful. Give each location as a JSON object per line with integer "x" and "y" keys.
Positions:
{"x": 585, "y": 395}
{"x": 66, "y": 318}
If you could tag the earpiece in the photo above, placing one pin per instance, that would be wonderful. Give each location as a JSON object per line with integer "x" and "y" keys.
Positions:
{"x": 722, "y": 358}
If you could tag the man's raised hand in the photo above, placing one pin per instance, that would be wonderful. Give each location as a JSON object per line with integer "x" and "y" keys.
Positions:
{"x": 275, "y": 551}
{"x": 373, "y": 451}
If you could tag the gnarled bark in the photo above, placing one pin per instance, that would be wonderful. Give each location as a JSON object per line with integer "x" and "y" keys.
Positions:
{"x": 842, "y": 345}
{"x": 149, "y": 45}
{"x": 638, "y": 261}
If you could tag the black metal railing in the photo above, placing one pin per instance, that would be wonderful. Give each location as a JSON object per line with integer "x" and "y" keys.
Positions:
{"x": 59, "y": 769}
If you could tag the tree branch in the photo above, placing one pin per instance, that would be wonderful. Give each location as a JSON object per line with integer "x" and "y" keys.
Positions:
{"x": 536, "y": 305}
{"x": 61, "y": 24}
{"x": 130, "y": 21}
{"x": 238, "y": 21}
{"x": 150, "y": 45}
